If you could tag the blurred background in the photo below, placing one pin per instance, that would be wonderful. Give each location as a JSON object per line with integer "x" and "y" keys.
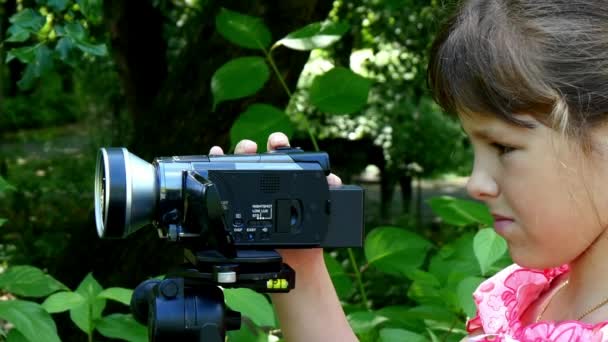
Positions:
{"x": 80, "y": 75}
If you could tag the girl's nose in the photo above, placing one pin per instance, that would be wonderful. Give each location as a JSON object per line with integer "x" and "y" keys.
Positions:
{"x": 481, "y": 185}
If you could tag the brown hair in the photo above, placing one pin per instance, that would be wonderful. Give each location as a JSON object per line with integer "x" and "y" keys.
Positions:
{"x": 545, "y": 58}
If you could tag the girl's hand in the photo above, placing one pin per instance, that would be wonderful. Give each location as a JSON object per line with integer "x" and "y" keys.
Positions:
{"x": 300, "y": 260}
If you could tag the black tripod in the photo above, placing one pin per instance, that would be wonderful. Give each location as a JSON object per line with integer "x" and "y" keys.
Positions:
{"x": 188, "y": 305}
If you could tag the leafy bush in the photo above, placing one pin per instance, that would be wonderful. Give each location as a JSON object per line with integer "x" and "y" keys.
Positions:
{"x": 429, "y": 280}
{"x": 437, "y": 280}
{"x": 49, "y": 188}
{"x": 46, "y": 105}
{"x": 56, "y": 31}
{"x": 33, "y": 322}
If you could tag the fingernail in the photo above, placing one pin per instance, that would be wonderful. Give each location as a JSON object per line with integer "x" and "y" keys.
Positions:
{"x": 250, "y": 144}
{"x": 277, "y": 139}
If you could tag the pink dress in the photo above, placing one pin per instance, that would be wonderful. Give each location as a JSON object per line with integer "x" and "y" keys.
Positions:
{"x": 502, "y": 299}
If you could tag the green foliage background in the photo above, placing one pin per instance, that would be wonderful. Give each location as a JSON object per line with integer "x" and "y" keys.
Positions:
{"x": 364, "y": 80}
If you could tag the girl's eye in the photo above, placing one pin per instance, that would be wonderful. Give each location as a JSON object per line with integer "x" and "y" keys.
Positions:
{"x": 503, "y": 149}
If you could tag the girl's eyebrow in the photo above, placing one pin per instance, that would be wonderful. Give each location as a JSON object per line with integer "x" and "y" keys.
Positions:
{"x": 482, "y": 134}
{"x": 489, "y": 134}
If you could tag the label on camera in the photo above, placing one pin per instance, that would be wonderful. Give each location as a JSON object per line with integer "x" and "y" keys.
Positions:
{"x": 261, "y": 211}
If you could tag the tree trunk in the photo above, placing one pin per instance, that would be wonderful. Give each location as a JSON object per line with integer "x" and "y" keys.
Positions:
{"x": 405, "y": 181}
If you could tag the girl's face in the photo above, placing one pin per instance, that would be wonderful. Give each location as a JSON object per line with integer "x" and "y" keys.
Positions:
{"x": 548, "y": 199}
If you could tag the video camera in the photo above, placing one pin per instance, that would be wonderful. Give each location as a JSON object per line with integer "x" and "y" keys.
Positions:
{"x": 230, "y": 212}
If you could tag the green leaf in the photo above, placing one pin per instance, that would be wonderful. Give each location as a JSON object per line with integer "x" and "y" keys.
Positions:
{"x": 450, "y": 299}
{"x": 460, "y": 212}
{"x": 395, "y": 250}
{"x": 432, "y": 335}
{"x": 402, "y": 315}
{"x": 425, "y": 278}
{"x": 17, "y": 34}
{"x": 28, "y": 19}
{"x": 32, "y": 321}
{"x": 26, "y": 54}
{"x": 342, "y": 282}
{"x": 15, "y": 336}
{"x": 501, "y": 263}
{"x": 85, "y": 315}
{"x": 454, "y": 271}
{"x": 257, "y": 122}
{"x": 434, "y": 313}
{"x": 488, "y": 247}
{"x": 65, "y": 48}
{"x": 239, "y": 78}
{"x": 2, "y": 221}
{"x": 62, "y": 301}
{"x": 91, "y": 9}
{"x": 424, "y": 294}
{"x": 399, "y": 335}
{"x": 245, "y": 334}
{"x": 58, "y": 5}
{"x": 339, "y": 91}
{"x": 75, "y": 31}
{"x": 78, "y": 34}
{"x": 118, "y": 294}
{"x": 29, "y": 281}
{"x": 365, "y": 321}
{"x": 5, "y": 186}
{"x": 315, "y": 36}
{"x": 123, "y": 327}
{"x": 44, "y": 60}
{"x": 28, "y": 78}
{"x": 465, "y": 289}
{"x": 455, "y": 261}
{"x": 243, "y": 30}
{"x": 42, "y": 64}
{"x": 93, "y": 49}
{"x": 251, "y": 304}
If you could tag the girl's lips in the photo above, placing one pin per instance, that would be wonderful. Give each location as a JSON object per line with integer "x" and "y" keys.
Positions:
{"x": 500, "y": 217}
{"x": 500, "y": 225}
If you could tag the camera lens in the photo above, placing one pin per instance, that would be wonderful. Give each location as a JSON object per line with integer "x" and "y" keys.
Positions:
{"x": 100, "y": 192}
{"x": 110, "y": 193}
{"x": 125, "y": 193}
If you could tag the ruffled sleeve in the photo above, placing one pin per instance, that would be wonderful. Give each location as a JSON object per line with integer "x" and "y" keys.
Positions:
{"x": 503, "y": 298}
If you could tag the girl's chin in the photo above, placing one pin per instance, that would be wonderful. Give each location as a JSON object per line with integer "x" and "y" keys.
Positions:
{"x": 532, "y": 261}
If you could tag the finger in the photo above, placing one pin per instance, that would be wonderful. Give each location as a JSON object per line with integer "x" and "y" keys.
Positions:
{"x": 275, "y": 140}
{"x": 246, "y": 146}
{"x": 333, "y": 180}
{"x": 216, "y": 150}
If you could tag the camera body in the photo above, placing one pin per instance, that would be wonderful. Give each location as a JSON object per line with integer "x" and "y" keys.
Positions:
{"x": 231, "y": 212}
{"x": 279, "y": 199}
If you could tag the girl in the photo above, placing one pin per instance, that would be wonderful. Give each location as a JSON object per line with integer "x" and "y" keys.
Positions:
{"x": 528, "y": 80}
